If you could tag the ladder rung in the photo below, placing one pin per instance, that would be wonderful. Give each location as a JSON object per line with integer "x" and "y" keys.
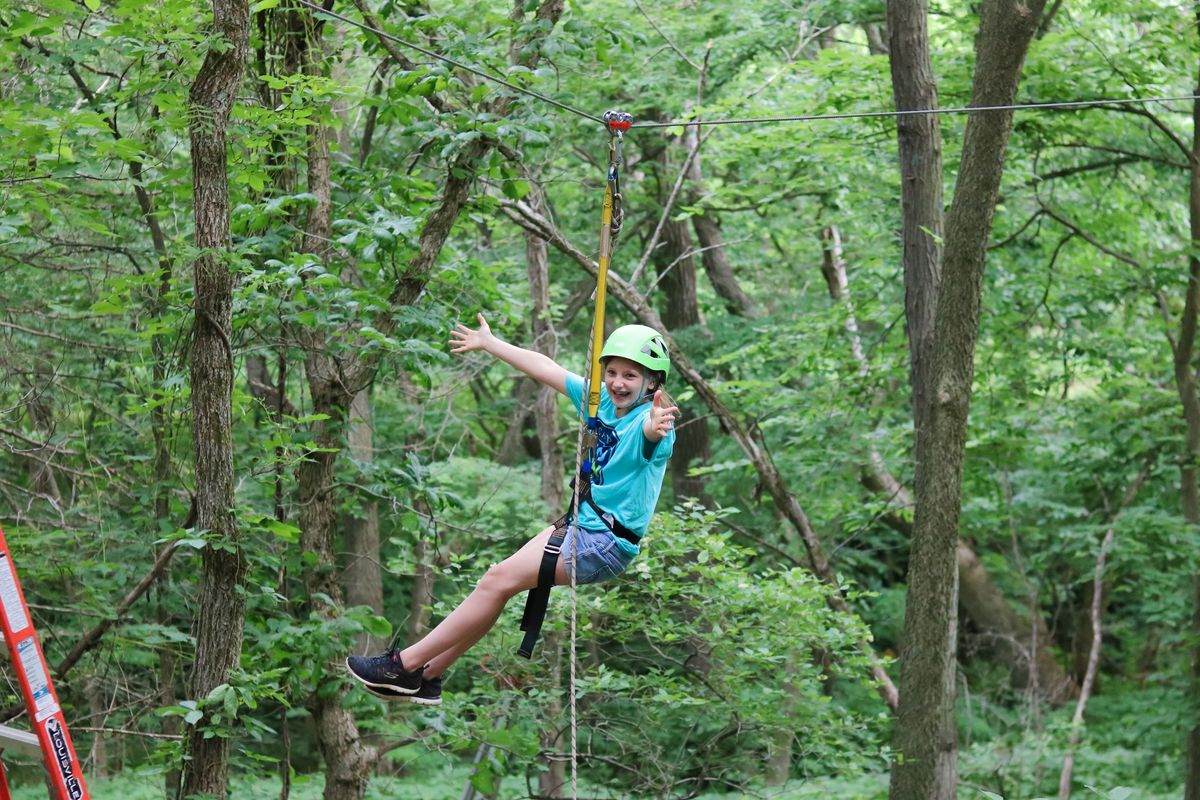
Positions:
{"x": 19, "y": 741}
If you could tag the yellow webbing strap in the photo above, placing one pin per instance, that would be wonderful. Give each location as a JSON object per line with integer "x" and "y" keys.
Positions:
{"x": 594, "y": 384}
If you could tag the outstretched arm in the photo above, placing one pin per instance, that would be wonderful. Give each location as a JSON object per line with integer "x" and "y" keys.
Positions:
{"x": 660, "y": 420}
{"x": 535, "y": 365}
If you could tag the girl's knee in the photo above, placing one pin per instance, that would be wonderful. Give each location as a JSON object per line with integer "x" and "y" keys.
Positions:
{"x": 500, "y": 579}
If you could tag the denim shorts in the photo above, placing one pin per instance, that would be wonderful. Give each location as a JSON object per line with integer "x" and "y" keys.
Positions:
{"x": 601, "y": 554}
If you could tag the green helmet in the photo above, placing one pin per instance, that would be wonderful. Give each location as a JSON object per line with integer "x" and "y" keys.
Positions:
{"x": 639, "y": 344}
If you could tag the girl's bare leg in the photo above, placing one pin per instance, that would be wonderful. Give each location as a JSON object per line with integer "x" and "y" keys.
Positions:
{"x": 476, "y": 615}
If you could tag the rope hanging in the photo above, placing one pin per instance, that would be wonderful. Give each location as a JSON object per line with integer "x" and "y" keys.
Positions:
{"x": 617, "y": 122}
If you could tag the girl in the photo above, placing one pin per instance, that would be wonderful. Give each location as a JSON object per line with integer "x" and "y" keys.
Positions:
{"x": 634, "y": 442}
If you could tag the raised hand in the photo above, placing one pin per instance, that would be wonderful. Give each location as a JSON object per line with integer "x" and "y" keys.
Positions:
{"x": 464, "y": 340}
{"x": 662, "y": 417}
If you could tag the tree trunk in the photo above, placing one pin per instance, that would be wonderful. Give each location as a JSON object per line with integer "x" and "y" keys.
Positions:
{"x": 1024, "y": 644}
{"x": 1185, "y": 382}
{"x": 545, "y": 341}
{"x": 877, "y": 39}
{"x": 512, "y": 446}
{"x": 675, "y": 265}
{"x": 159, "y": 427}
{"x": 42, "y": 478}
{"x": 221, "y": 610}
{"x": 363, "y": 577}
{"x": 421, "y": 598}
{"x": 98, "y": 756}
{"x": 712, "y": 253}
{"x": 1096, "y": 616}
{"x": 920, "y": 143}
{"x": 348, "y": 760}
{"x": 779, "y": 752}
{"x": 925, "y": 734}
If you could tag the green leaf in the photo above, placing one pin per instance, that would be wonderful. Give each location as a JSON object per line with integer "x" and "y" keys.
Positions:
{"x": 378, "y": 626}
{"x": 515, "y": 189}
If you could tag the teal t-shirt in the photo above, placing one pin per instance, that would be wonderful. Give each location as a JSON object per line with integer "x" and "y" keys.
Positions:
{"x": 625, "y": 482}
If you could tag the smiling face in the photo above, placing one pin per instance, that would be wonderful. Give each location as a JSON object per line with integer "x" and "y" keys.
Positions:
{"x": 625, "y": 381}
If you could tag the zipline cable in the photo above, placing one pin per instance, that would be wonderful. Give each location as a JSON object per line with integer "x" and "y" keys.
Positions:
{"x": 433, "y": 54}
{"x": 917, "y": 111}
{"x": 744, "y": 120}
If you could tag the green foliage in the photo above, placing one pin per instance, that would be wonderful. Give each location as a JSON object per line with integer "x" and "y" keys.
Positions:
{"x": 700, "y": 657}
{"x": 705, "y": 662}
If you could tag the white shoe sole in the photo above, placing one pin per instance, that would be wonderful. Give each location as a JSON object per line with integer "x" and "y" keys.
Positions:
{"x": 391, "y": 695}
{"x": 387, "y": 686}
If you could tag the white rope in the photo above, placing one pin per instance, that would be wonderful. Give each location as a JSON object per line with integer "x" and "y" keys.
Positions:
{"x": 573, "y": 533}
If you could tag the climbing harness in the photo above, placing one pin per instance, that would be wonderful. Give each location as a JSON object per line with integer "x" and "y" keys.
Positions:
{"x": 617, "y": 122}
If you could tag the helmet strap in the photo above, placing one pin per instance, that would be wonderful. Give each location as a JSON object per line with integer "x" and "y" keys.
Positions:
{"x": 641, "y": 398}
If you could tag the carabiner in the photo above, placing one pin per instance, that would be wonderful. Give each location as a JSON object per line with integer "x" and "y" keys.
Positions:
{"x": 617, "y": 123}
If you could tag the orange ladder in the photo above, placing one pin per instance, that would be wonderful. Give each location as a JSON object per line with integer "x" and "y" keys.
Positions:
{"x": 49, "y": 726}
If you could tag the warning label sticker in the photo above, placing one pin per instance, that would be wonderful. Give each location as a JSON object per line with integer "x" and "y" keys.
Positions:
{"x": 35, "y": 675}
{"x": 10, "y": 599}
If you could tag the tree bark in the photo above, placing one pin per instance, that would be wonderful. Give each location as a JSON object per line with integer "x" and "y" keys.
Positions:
{"x": 512, "y": 447}
{"x": 421, "y": 598}
{"x": 1024, "y": 644}
{"x": 1097, "y": 607}
{"x": 42, "y": 478}
{"x": 713, "y": 256}
{"x": 779, "y": 751}
{"x": 545, "y": 341}
{"x": 675, "y": 265}
{"x": 363, "y": 577}
{"x": 221, "y": 609}
{"x": 920, "y": 144}
{"x": 877, "y": 40}
{"x": 1185, "y": 381}
{"x": 925, "y": 734}
{"x": 347, "y": 759}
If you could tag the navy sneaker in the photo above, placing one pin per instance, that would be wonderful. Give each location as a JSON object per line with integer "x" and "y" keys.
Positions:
{"x": 385, "y": 672}
{"x": 430, "y": 693}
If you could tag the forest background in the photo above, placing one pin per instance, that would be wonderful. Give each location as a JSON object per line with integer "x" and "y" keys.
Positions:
{"x": 233, "y": 241}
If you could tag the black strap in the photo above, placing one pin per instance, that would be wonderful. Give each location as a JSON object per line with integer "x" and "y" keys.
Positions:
{"x": 539, "y": 596}
{"x": 610, "y": 521}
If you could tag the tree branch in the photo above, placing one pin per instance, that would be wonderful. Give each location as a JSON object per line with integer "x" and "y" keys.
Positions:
{"x": 1087, "y": 237}
{"x": 1146, "y": 113}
